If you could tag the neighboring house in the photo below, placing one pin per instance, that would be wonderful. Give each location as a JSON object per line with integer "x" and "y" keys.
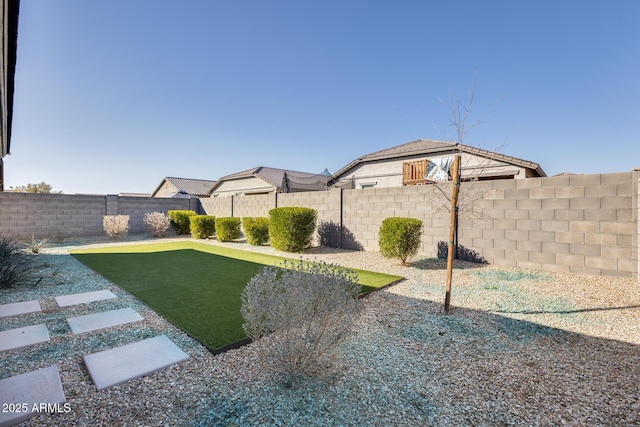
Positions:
{"x": 184, "y": 187}
{"x": 9, "y": 12}
{"x": 264, "y": 180}
{"x": 413, "y": 163}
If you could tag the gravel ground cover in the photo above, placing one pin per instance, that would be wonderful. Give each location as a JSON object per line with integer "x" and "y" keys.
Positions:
{"x": 519, "y": 348}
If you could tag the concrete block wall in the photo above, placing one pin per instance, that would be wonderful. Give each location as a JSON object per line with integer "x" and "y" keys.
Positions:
{"x": 580, "y": 223}
{"x": 364, "y": 210}
{"x": 136, "y": 207}
{"x": 253, "y": 205}
{"x": 217, "y": 206}
{"x": 51, "y": 215}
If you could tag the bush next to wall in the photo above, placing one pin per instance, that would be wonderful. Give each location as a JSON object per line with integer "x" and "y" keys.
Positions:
{"x": 202, "y": 226}
{"x": 115, "y": 226}
{"x": 256, "y": 230}
{"x": 157, "y": 223}
{"x": 400, "y": 238}
{"x": 291, "y": 228}
{"x": 227, "y": 229}
{"x": 180, "y": 220}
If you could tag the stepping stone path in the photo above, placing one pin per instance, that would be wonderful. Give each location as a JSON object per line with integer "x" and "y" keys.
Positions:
{"x": 93, "y": 322}
{"x": 85, "y": 297}
{"x": 118, "y": 365}
{"x": 27, "y": 392}
{"x": 23, "y": 337}
{"x": 17, "y": 308}
{"x": 107, "y": 368}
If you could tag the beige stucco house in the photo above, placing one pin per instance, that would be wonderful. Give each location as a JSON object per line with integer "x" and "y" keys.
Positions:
{"x": 413, "y": 162}
{"x": 264, "y": 180}
{"x": 183, "y": 187}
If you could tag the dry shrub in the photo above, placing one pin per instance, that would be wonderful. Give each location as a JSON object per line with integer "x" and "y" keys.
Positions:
{"x": 116, "y": 226}
{"x": 300, "y": 316}
{"x": 157, "y": 223}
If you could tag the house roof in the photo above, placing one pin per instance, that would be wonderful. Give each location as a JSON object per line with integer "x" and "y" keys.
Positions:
{"x": 428, "y": 146}
{"x": 295, "y": 180}
{"x": 196, "y": 187}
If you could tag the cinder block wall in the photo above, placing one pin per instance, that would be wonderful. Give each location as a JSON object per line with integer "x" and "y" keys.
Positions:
{"x": 49, "y": 215}
{"x": 253, "y": 205}
{"x": 580, "y": 223}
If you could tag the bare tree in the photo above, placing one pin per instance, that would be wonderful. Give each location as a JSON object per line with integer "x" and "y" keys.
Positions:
{"x": 459, "y": 200}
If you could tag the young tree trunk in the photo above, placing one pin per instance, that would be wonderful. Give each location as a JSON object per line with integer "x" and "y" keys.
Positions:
{"x": 452, "y": 229}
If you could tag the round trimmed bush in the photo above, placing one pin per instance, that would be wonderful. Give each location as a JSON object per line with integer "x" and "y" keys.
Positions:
{"x": 227, "y": 229}
{"x": 291, "y": 228}
{"x": 400, "y": 238}
{"x": 202, "y": 226}
{"x": 256, "y": 230}
{"x": 180, "y": 220}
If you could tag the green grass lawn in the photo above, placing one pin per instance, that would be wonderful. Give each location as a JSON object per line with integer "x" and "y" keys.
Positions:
{"x": 195, "y": 286}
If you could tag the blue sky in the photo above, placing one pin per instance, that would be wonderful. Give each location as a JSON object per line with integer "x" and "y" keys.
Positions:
{"x": 112, "y": 96}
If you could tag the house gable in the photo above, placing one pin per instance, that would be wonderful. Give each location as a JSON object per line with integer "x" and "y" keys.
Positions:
{"x": 385, "y": 168}
{"x": 172, "y": 186}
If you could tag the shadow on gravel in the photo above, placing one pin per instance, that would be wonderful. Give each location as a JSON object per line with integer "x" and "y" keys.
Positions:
{"x": 441, "y": 264}
{"x": 412, "y": 365}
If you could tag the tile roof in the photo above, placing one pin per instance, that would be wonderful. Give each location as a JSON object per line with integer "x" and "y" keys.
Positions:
{"x": 428, "y": 146}
{"x": 275, "y": 177}
{"x": 196, "y": 187}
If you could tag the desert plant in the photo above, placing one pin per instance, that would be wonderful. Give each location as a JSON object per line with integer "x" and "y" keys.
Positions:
{"x": 34, "y": 246}
{"x": 299, "y": 316}
{"x": 157, "y": 223}
{"x": 59, "y": 237}
{"x": 227, "y": 229}
{"x": 180, "y": 220}
{"x": 202, "y": 226}
{"x": 16, "y": 267}
{"x": 400, "y": 238}
{"x": 256, "y": 230}
{"x": 116, "y": 226}
{"x": 291, "y": 228}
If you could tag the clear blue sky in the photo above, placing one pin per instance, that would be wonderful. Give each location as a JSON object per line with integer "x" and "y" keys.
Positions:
{"x": 112, "y": 96}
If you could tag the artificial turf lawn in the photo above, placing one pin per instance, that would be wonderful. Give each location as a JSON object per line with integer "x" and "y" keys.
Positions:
{"x": 195, "y": 286}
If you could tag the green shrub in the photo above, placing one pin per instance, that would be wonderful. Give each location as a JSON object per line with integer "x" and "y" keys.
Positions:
{"x": 16, "y": 267}
{"x": 227, "y": 229}
{"x": 202, "y": 226}
{"x": 291, "y": 228}
{"x": 400, "y": 238}
{"x": 299, "y": 317}
{"x": 256, "y": 230}
{"x": 180, "y": 220}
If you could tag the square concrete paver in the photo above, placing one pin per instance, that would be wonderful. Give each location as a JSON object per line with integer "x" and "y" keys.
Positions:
{"x": 30, "y": 392}
{"x": 84, "y": 297}
{"x": 118, "y": 365}
{"x": 16, "y": 308}
{"x": 105, "y": 319}
{"x": 23, "y": 337}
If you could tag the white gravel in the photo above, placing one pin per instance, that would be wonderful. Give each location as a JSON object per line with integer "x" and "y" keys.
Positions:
{"x": 519, "y": 348}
